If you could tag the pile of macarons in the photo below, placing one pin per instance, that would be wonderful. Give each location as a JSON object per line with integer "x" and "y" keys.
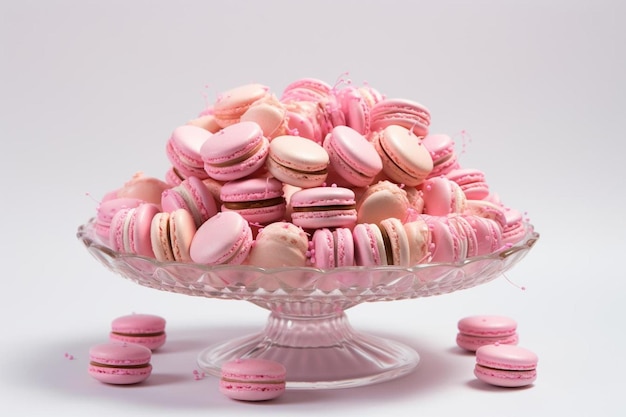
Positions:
{"x": 318, "y": 175}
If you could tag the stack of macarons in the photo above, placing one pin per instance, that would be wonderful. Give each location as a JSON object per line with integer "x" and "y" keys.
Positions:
{"x": 254, "y": 166}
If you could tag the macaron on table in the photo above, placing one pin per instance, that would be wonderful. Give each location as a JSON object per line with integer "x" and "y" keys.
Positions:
{"x": 286, "y": 231}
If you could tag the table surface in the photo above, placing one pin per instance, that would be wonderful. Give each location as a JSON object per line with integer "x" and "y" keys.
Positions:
{"x": 532, "y": 92}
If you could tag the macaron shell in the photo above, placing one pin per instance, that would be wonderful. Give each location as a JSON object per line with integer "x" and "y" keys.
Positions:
{"x": 183, "y": 150}
{"x": 400, "y": 112}
{"x": 394, "y": 232}
{"x": 160, "y": 237}
{"x": 233, "y": 103}
{"x": 141, "y": 243}
{"x": 506, "y": 357}
{"x": 318, "y": 207}
{"x": 368, "y": 245}
{"x": 405, "y": 159}
{"x": 258, "y": 200}
{"x": 279, "y": 244}
{"x": 472, "y": 343}
{"x": 380, "y": 201}
{"x": 442, "y": 197}
{"x": 142, "y": 187}
{"x": 418, "y": 236}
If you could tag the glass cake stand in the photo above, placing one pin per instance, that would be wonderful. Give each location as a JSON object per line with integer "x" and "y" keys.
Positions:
{"x": 307, "y": 329}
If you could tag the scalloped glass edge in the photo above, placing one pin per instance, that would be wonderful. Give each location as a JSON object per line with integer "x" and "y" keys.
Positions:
{"x": 347, "y": 285}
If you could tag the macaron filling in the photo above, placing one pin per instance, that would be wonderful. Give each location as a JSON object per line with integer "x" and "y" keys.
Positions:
{"x": 242, "y": 205}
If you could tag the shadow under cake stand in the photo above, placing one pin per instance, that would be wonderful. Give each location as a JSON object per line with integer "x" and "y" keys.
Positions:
{"x": 307, "y": 329}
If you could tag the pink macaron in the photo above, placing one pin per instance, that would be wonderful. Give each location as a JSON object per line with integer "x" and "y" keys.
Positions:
{"x": 232, "y": 104}
{"x": 318, "y": 207}
{"x": 142, "y": 187}
{"x": 279, "y": 244}
{"x": 225, "y": 238}
{"x": 252, "y": 379}
{"x": 477, "y": 331}
{"x": 386, "y": 244}
{"x": 471, "y": 181}
{"x": 442, "y": 196}
{"x": 258, "y": 200}
{"x": 505, "y": 365}
{"x": 405, "y": 159}
{"x": 447, "y": 245}
{"x": 401, "y": 112}
{"x": 183, "y": 150}
{"x": 356, "y": 104}
{"x": 513, "y": 230}
{"x": 270, "y": 114}
{"x": 130, "y": 230}
{"x": 192, "y": 195}
{"x": 298, "y": 161}
{"x": 352, "y": 157}
{"x": 106, "y": 211}
{"x": 306, "y": 89}
{"x": 442, "y": 152}
{"x": 120, "y": 363}
{"x": 237, "y": 151}
{"x": 332, "y": 248}
{"x": 141, "y": 329}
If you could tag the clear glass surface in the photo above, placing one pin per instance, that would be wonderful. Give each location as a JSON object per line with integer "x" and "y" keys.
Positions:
{"x": 307, "y": 329}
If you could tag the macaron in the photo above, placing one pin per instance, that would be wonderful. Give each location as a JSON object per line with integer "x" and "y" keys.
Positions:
{"x": 258, "y": 200}
{"x": 332, "y": 248}
{"x": 442, "y": 152}
{"x": 471, "y": 181}
{"x": 105, "y": 212}
{"x": 382, "y": 200}
{"x": 419, "y": 240}
{"x": 298, "y": 161}
{"x": 447, "y": 245}
{"x": 143, "y": 187}
{"x": 405, "y": 159}
{"x": 397, "y": 248}
{"x": 252, "y": 379}
{"x": 513, "y": 230}
{"x": 481, "y": 330}
{"x": 234, "y": 152}
{"x": 171, "y": 235}
{"x": 306, "y": 89}
{"x": 141, "y": 329}
{"x": 232, "y": 104}
{"x": 183, "y": 150}
{"x": 442, "y": 196}
{"x": 130, "y": 230}
{"x": 270, "y": 114}
{"x": 120, "y": 363}
{"x": 318, "y": 207}
{"x": 386, "y": 244}
{"x": 505, "y": 365}
{"x": 279, "y": 244}
{"x": 193, "y": 195}
{"x": 352, "y": 156}
{"x": 356, "y": 105}
{"x": 225, "y": 238}
{"x": 400, "y": 112}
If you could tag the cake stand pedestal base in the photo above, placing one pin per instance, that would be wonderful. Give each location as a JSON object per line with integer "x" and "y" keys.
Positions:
{"x": 319, "y": 352}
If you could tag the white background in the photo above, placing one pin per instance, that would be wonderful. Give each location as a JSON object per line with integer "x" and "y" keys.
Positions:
{"x": 91, "y": 90}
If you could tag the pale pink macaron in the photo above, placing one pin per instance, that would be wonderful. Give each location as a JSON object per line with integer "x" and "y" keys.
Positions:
{"x": 382, "y": 200}
{"x": 171, "y": 235}
{"x": 419, "y": 239}
{"x": 270, "y": 114}
{"x": 279, "y": 244}
{"x": 306, "y": 89}
{"x": 505, "y": 365}
{"x": 298, "y": 161}
{"x": 258, "y": 200}
{"x": 225, "y": 238}
{"x": 141, "y": 329}
{"x": 183, "y": 150}
{"x": 332, "y": 248}
{"x": 130, "y": 230}
{"x": 442, "y": 152}
{"x": 318, "y": 207}
{"x": 352, "y": 157}
{"x": 405, "y": 159}
{"x": 234, "y": 152}
{"x": 302, "y": 120}
{"x": 442, "y": 196}
{"x": 252, "y": 379}
{"x": 477, "y": 331}
{"x": 120, "y": 363}
{"x": 396, "y": 241}
{"x": 400, "y": 112}
{"x": 232, "y": 104}
{"x": 206, "y": 122}
{"x": 472, "y": 181}
{"x": 143, "y": 187}
{"x": 356, "y": 104}
{"x": 193, "y": 195}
